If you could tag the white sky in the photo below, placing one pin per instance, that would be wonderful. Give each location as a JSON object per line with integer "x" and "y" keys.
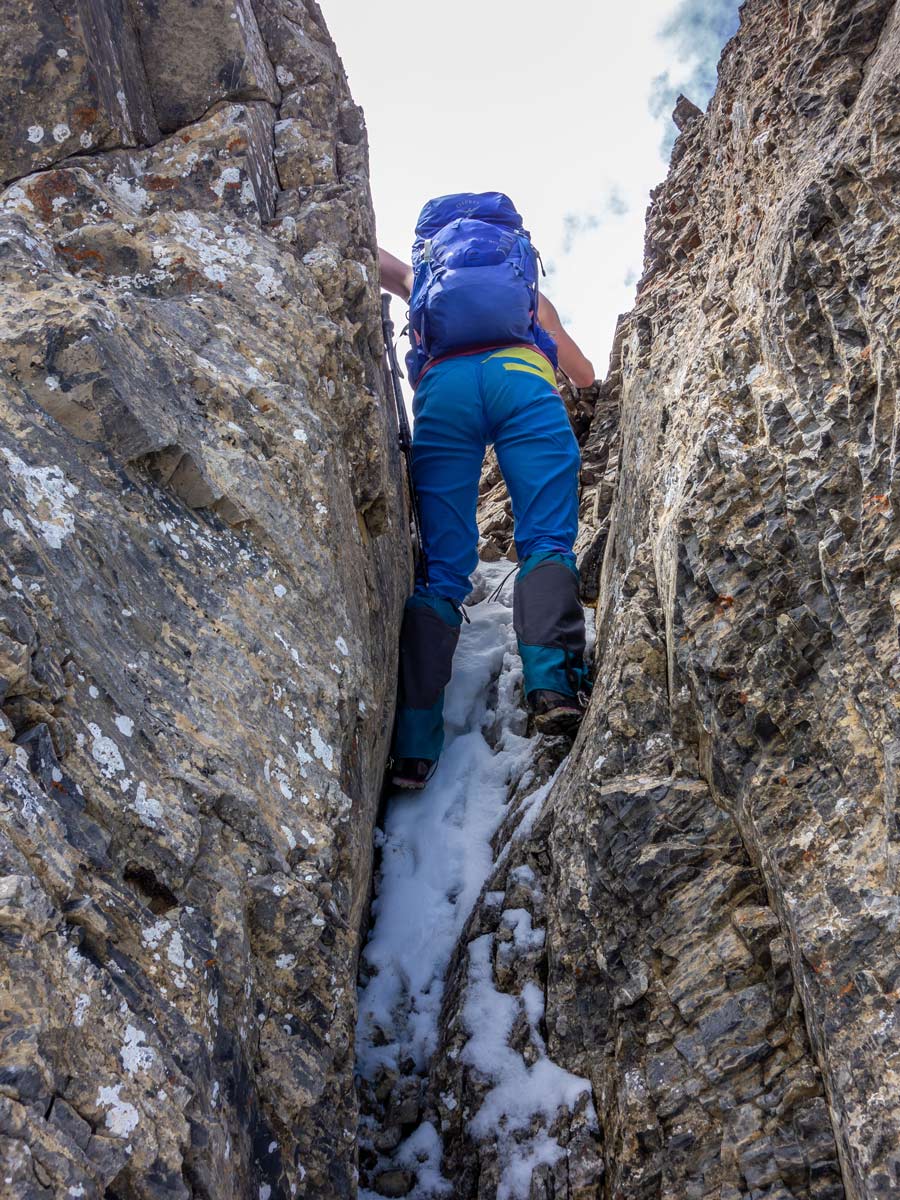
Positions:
{"x": 546, "y": 102}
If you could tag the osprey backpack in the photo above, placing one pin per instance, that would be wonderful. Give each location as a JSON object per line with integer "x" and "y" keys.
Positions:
{"x": 475, "y": 280}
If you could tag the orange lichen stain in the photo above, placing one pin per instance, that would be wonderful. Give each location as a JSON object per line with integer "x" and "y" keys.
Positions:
{"x": 79, "y": 256}
{"x": 878, "y": 500}
{"x": 47, "y": 187}
{"x": 238, "y": 142}
{"x": 723, "y": 603}
{"x": 847, "y": 989}
{"x": 161, "y": 183}
{"x": 84, "y": 117}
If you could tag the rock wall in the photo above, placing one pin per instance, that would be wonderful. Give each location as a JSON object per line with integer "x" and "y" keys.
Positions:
{"x": 203, "y": 562}
{"x": 716, "y": 867}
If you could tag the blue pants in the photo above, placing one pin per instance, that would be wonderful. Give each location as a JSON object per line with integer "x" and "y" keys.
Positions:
{"x": 507, "y": 397}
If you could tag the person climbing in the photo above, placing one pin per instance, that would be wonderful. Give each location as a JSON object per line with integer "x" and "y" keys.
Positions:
{"x": 485, "y": 345}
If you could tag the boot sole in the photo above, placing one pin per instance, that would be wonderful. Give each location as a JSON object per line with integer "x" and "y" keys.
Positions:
{"x": 558, "y": 720}
{"x": 408, "y": 784}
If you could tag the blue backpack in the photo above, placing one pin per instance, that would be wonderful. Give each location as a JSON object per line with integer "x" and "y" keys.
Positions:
{"x": 475, "y": 280}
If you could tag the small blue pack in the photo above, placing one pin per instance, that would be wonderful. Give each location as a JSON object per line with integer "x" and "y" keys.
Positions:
{"x": 475, "y": 280}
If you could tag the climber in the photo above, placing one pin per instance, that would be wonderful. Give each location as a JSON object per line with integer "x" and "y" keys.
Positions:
{"x": 485, "y": 344}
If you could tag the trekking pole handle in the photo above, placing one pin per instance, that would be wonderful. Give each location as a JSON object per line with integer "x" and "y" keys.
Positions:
{"x": 386, "y": 323}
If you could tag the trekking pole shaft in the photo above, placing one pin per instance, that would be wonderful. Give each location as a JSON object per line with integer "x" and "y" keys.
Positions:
{"x": 404, "y": 434}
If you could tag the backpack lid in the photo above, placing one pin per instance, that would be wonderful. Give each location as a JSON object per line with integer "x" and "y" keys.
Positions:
{"x": 493, "y": 207}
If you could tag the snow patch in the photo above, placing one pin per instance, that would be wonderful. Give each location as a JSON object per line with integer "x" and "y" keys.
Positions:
{"x": 520, "y": 1092}
{"x": 424, "y": 898}
{"x": 436, "y": 854}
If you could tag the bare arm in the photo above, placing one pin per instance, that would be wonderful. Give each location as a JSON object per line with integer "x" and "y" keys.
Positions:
{"x": 578, "y": 368}
{"x": 396, "y": 276}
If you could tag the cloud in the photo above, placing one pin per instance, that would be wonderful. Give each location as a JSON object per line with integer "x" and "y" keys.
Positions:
{"x": 576, "y": 224}
{"x": 697, "y": 30}
{"x": 612, "y": 204}
{"x": 631, "y": 277}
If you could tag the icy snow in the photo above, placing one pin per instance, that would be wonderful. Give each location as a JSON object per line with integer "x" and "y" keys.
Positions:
{"x": 436, "y": 857}
{"x": 520, "y": 1092}
{"x": 437, "y": 854}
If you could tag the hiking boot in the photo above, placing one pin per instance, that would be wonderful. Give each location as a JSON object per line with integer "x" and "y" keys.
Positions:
{"x": 555, "y": 712}
{"x": 411, "y": 773}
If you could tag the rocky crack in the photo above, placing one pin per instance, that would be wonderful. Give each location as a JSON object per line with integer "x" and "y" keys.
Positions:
{"x": 453, "y": 1065}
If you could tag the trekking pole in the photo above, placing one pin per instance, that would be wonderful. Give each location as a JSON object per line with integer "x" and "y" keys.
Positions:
{"x": 392, "y": 373}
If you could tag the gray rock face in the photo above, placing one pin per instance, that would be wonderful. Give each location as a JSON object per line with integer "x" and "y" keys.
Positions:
{"x": 202, "y": 562}
{"x": 745, "y": 719}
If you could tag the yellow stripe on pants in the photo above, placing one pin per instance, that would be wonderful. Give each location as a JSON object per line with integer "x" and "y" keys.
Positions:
{"x": 524, "y": 359}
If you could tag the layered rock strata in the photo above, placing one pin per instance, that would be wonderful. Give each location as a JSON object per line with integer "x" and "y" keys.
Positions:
{"x": 203, "y": 563}
{"x": 716, "y": 866}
